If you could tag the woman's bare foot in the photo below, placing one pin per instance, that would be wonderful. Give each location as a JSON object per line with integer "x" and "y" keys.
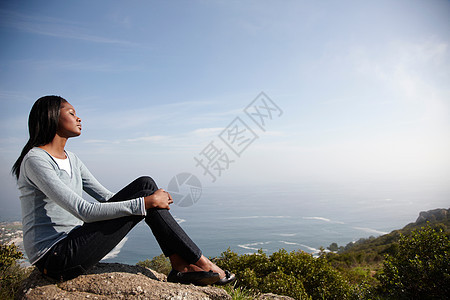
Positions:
{"x": 203, "y": 264}
{"x": 181, "y": 265}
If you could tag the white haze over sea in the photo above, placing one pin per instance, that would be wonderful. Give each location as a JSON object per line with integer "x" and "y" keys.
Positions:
{"x": 302, "y": 217}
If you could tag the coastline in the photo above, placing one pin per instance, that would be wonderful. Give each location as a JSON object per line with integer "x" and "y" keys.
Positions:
{"x": 11, "y": 232}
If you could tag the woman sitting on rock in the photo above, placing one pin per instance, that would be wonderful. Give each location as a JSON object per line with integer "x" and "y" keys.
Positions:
{"x": 63, "y": 234}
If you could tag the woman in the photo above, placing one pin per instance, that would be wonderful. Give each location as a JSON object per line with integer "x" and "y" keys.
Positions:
{"x": 64, "y": 235}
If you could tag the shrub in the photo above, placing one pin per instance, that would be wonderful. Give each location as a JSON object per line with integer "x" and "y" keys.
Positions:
{"x": 282, "y": 284}
{"x": 11, "y": 273}
{"x": 296, "y": 274}
{"x": 158, "y": 263}
{"x": 420, "y": 267}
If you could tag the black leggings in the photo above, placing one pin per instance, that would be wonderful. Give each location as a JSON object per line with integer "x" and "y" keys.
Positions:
{"x": 88, "y": 244}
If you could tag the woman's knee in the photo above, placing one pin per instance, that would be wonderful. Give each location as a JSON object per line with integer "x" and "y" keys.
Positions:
{"x": 146, "y": 182}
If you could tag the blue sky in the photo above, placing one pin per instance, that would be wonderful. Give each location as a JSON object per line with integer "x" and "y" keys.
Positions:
{"x": 363, "y": 86}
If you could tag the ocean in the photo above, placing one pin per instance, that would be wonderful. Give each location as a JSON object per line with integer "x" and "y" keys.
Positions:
{"x": 294, "y": 217}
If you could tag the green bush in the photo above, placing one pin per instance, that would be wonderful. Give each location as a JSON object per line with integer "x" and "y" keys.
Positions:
{"x": 11, "y": 273}
{"x": 280, "y": 283}
{"x": 158, "y": 263}
{"x": 295, "y": 274}
{"x": 240, "y": 293}
{"x": 420, "y": 267}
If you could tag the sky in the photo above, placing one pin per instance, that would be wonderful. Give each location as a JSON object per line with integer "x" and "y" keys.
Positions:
{"x": 353, "y": 92}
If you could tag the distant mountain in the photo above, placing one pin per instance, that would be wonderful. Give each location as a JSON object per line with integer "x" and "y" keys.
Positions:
{"x": 440, "y": 215}
{"x": 372, "y": 250}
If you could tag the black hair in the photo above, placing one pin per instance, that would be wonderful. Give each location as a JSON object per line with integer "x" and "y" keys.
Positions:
{"x": 42, "y": 125}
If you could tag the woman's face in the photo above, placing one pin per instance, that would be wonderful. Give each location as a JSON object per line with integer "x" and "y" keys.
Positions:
{"x": 69, "y": 124}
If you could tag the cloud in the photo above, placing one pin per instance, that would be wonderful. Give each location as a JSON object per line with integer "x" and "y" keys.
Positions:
{"x": 207, "y": 132}
{"x": 276, "y": 133}
{"x": 75, "y": 65}
{"x": 154, "y": 138}
{"x": 413, "y": 70}
{"x": 98, "y": 141}
{"x": 54, "y": 27}
{"x": 141, "y": 139}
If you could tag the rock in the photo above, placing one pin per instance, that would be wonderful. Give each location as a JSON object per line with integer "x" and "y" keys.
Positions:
{"x": 115, "y": 281}
{"x": 440, "y": 214}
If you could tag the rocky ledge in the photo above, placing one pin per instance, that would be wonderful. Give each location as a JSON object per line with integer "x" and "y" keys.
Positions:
{"x": 119, "y": 281}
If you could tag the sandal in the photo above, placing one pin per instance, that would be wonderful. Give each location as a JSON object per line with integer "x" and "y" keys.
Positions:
{"x": 229, "y": 278}
{"x": 196, "y": 278}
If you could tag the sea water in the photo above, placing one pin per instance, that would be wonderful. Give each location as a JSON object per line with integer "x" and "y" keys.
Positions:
{"x": 293, "y": 217}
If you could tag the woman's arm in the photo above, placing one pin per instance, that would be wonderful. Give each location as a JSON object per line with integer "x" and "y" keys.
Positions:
{"x": 95, "y": 189}
{"x": 91, "y": 185}
{"x": 42, "y": 175}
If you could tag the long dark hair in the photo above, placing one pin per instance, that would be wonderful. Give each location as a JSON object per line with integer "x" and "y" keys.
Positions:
{"x": 42, "y": 126}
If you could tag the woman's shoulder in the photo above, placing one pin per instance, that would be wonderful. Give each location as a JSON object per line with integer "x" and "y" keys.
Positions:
{"x": 35, "y": 159}
{"x": 38, "y": 153}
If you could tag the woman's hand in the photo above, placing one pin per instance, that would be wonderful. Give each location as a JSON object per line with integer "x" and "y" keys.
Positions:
{"x": 160, "y": 199}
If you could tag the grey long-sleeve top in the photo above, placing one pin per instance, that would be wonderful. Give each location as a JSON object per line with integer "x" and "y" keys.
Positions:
{"x": 52, "y": 203}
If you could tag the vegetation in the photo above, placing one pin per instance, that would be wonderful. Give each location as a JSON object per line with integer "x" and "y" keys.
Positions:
{"x": 158, "y": 263}
{"x": 411, "y": 263}
{"x": 420, "y": 267}
{"x": 415, "y": 267}
{"x": 374, "y": 261}
{"x": 240, "y": 293}
{"x": 370, "y": 253}
{"x": 295, "y": 274}
{"x": 11, "y": 273}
